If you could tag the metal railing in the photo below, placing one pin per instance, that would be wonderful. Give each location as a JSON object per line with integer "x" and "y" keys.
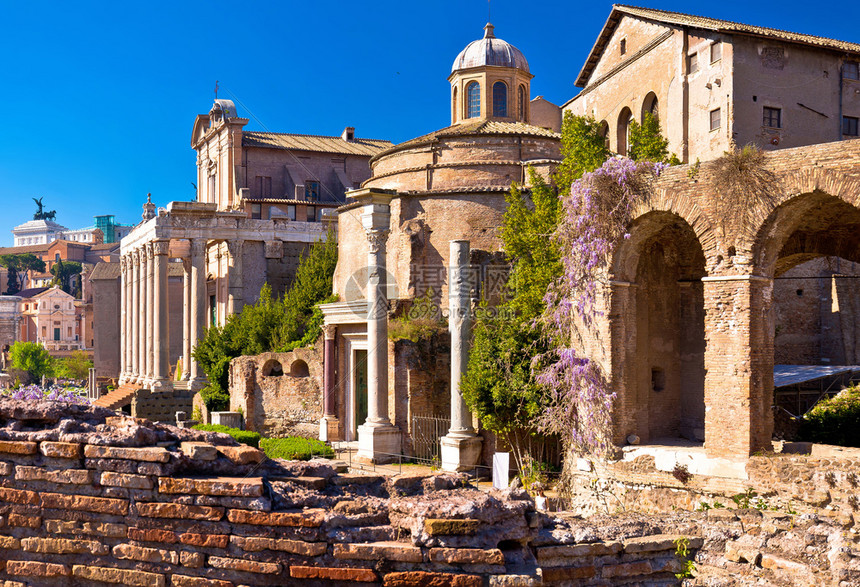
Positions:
{"x": 426, "y": 432}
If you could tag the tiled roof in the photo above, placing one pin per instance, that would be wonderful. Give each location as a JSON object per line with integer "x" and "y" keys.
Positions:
{"x": 41, "y": 248}
{"x": 477, "y": 128}
{"x": 31, "y": 292}
{"x": 319, "y": 144}
{"x": 700, "y": 22}
{"x": 104, "y": 270}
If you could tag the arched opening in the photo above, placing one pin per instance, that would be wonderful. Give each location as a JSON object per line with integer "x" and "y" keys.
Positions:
{"x": 299, "y": 369}
{"x": 624, "y": 120}
{"x": 521, "y": 103}
{"x": 454, "y": 109}
{"x": 663, "y": 385}
{"x": 811, "y": 250}
{"x": 500, "y": 99}
{"x": 272, "y": 368}
{"x": 473, "y": 100}
{"x": 650, "y": 106}
{"x": 603, "y": 131}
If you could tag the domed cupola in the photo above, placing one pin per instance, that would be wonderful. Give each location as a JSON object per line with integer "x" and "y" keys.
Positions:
{"x": 490, "y": 79}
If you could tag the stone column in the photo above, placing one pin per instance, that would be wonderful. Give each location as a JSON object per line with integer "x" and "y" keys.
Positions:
{"x": 186, "y": 319}
{"x": 198, "y": 305}
{"x": 378, "y": 439}
{"x": 123, "y": 312}
{"x": 329, "y": 423}
{"x": 130, "y": 310}
{"x": 150, "y": 313}
{"x": 235, "y": 287}
{"x": 136, "y": 338}
{"x": 738, "y": 365}
{"x": 461, "y": 447}
{"x": 160, "y": 334}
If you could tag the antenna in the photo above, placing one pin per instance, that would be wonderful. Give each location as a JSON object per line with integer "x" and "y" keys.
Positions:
{"x": 216, "y": 85}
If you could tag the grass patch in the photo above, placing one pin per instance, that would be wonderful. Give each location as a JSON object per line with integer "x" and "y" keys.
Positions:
{"x": 242, "y": 436}
{"x": 295, "y": 448}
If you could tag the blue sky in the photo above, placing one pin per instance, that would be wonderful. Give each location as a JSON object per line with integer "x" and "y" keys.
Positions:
{"x": 99, "y": 97}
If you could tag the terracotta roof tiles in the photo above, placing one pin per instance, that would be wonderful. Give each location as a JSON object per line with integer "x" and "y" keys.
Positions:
{"x": 319, "y": 144}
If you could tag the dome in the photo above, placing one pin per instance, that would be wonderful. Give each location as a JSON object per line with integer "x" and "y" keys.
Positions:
{"x": 490, "y": 51}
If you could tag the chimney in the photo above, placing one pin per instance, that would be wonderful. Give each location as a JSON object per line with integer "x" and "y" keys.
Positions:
{"x": 348, "y": 134}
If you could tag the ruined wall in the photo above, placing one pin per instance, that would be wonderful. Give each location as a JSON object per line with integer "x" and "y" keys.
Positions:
{"x": 280, "y": 394}
{"x": 93, "y": 501}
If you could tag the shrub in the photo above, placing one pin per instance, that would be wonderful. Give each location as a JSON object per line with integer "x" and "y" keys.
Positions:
{"x": 835, "y": 420}
{"x": 32, "y": 358}
{"x": 76, "y": 366}
{"x": 243, "y": 436}
{"x": 295, "y": 448}
{"x": 215, "y": 399}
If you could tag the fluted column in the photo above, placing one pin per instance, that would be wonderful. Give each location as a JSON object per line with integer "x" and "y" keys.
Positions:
{"x": 461, "y": 448}
{"x": 160, "y": 334}
{"x": 378, "y": 440}
{"x": 186, "y": 319}
{"x": 136, "y": 348}
{"x": 198, "y": 305}
{"x": 123, "y": 312}
{"x": 130, "y": 310}
{"x": 150, "y": 313}
{"x": 235, "y": 287}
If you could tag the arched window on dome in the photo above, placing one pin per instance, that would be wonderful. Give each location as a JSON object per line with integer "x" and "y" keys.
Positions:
{"x": 454, "y": 105}
{"x": 473, "y": 100}
{"x": 500, "y": 99}
{"x": 521, "y": 102}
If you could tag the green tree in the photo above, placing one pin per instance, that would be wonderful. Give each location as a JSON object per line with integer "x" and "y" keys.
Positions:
{"x": 76, "y": 366}
{"x": 17, "y": 267}
{"x": 64, "y": 273}
{"x": 647, "y": 143}
{"x": 272, "y": 324}
{"x": 499, "y": 385}
{"x": 32, "y": 358}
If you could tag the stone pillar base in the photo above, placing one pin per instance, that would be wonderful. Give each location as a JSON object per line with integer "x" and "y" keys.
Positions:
{"x": 329, "y": 428}
{"x": 196, "y": 384}
{"x": 460, "y": 453}
{"x": 378, "y": 443}
{"x": 160, "y": 385}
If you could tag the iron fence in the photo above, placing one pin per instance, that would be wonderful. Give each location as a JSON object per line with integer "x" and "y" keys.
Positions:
{"x": 426, "y": 432}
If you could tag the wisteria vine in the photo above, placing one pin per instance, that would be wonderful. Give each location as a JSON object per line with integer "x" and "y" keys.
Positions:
{"x": 72, "y": 395}
{"x": 596, "y": 215}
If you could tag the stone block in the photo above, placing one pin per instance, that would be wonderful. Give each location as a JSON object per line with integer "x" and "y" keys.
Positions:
{"x": 63, "y": 546}
{"x": 307, "y": 519}
{"x": 205, "y": 540}
{"x": 259, "y": 543}
{"x": 242, "y": 455}
{"x": 578, "y": 550}
{"x": 514, "y": 581}
{"x": 155, "y": 469}
{"x": 391, "y": 551}
{"x": 218, "y": 486}
{"x": 378, "y": 444}
{"x": 342, "y": 480}
{"x": 429, "y": 579}
{"x": 6, "y": 468}
{"x": 460, "y": 453}
{"x": 622, "y": 570}
{"x": 24, "y": 520}
{"x": 154, "y": 454}
{"x": 105, "y": 529}
{"x": 61, "y": 450}
{"x": 37, "y": 569}
{"x": 179, "y": 511}
{"x": 124, "y": 577}
{"x": 16, "y": 447}
{"x": 186, "y": 581}
{"x": 152, "y": 535}
{"x": 192, "y": 560}
{"x": 439, "y": 527}
{"x": 228, "y": 419}
{"x": 100, "y": 505}
{"x": 333, "y": 574}
{"x": 200, "y": 451}
{"x": 19, "y": 496}
{"x": 143, "y": 554}
{"x": 9, "y": 543}
{"x": 61, "y": 476}
{"x": 659, "y": 542}
{"x": 126, "y": 480}
{"x": 559, "y": 574}
{"x": 240, "y": 564}
{"x": 472, "y": 556}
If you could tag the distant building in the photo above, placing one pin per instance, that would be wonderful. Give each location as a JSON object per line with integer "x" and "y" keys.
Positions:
{"x": 50, "y": 316}
{"x": 54, "y": 251}
{"x": 10, "y": 322}
{"x": 714, "y": 83}
{"x": 40, "y": 232}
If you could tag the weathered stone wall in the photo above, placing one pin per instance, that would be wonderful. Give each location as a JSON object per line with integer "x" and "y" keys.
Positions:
{"x": 88, "y": 498}
{"x": 280, "y": 394}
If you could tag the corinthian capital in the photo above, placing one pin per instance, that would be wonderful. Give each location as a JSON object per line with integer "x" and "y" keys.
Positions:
{"x": 376, "y": 238}
{"x": 160, "y": 247}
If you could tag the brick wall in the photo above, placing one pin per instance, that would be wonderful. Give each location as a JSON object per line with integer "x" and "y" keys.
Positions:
{"x": 191, "y": 513}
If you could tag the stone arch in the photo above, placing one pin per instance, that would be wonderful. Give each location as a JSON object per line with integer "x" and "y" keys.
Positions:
{"x": 622, "y": 133}
{"x": 603, "y": 131}
{"x": 272, "y": 368}
{"x": 651, "y": 104}
{"x": 658, "y": 348}
{"x": 299, "y": 369}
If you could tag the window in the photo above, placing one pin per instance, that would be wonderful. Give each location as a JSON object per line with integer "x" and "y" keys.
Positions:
{"x": 521, "y": 102}
{"x": 213, "y": 310}
{"x": 772, "y": 117}
{"x": 473, "y": 100}
{"x": 849, "y": 126}
{"x": 851, "y": 70}
{"x": 716, "y": 51}
{"x": 311, "y": 213}
{"x": 291, "y": 212}
{"x": 264, "y": 186}
{"x": 500, "y": 99}
{"x": 454, "y": 102}
{"x": 623, "y": 46}
{"x": 692, "y": 63}
{"x": 44, "y": 331}
{"x": 256, "y": 211}
{"x": 715, "y": 119}
{"x": 312, "y": 190}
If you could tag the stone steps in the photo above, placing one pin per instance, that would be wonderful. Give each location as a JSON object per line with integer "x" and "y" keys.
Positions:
{"x": 119, "y": 397}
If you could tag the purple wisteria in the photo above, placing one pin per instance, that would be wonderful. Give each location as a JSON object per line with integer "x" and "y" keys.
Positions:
{"x": 72, "y": 395}
{"x": 596, "y": 215}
